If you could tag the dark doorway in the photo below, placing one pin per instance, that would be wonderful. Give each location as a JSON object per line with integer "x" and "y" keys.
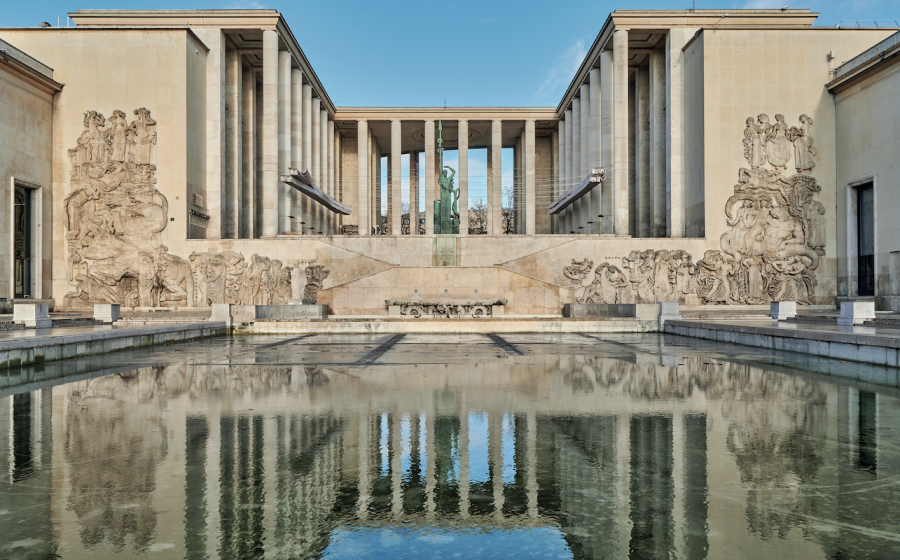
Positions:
{"x": 866, "y": 236}
{"x": 22, "y": 243}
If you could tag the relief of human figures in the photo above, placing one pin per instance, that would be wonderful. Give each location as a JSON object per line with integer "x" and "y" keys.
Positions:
{"x": 771, "y": 251}
{"x": 114, "y": 215}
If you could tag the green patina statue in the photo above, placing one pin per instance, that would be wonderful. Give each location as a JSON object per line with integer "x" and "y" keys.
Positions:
{"x": 446, "y": 210}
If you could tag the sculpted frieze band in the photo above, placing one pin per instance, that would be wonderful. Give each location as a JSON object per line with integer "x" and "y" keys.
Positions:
{"x": 113, "y": 220}
{"x": 770, "y": 253}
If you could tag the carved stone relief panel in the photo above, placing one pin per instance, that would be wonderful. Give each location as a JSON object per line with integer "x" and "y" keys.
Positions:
{"x": 770, "y": 253}
{"x": 113, "y": 220}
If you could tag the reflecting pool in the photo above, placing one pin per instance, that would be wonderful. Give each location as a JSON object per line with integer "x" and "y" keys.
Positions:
{"x": 543, "y": 446}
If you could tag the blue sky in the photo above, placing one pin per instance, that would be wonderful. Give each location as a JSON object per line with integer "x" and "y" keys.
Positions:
{"x": 473, "y": 53}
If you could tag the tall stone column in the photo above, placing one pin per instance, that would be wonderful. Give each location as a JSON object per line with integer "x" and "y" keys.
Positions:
{"x": 315, "y": 164}
{"x": 657, "y": 116}
{"x": 606, "y": 140}
{"x": 675, "y": 40}
{"x": 332, "y": 186}
{"x": 414, "y": 193}
{"x": 284, "y": 138}
{"x": 569, "y": 174}
{"x": 322, "y": 226}
{"x": 396, "y": 214}
{"x": 362, "y": 177}
{"x": 585, "y": 155}
{"x": 489, "y": 221}
{"x": 463, "y": 177}
{"x": 559, "y": 167}
{"x": 296, "y": 206}
{"x": 530, "y": 176}
{"x": 576, "y": 163}
{"x": 258, "y": 117}
{"x": 642, "y": 152}
{"x": 620, "y": 125}
{"x": 233, "y": 146}
{"x": 308, "y": 205}
{"x": 248, "y": 153}
{"x": 270, "y": 134}
{"x": 596, "y": 159}
{"x": 429, "y": 177}
{"x": 495, "y": 206}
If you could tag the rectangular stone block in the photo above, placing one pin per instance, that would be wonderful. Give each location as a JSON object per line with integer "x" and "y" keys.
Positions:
{"x": 291, "y": 312}
{"x": 668, "y": 311}
{"x": 107, "y": 312}
{"x": 856, "y": 312}
{"x": 497, "y": 310}
{"x": 646, "y": 311}
{"x": 599, "y": 310}
{"x": 781, "y": 310}
{"x": 243, "y": 313}
{"x": 394, "y": 311}
{"x": 32, "y": 315}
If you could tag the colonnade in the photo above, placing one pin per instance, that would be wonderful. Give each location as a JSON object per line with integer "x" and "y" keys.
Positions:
{"x": 369, "y": 154}
{"x": 271, "y": 119}
{"x": 628, "y": 119}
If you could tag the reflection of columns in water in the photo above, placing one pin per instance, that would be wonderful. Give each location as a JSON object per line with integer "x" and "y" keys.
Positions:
{"x": 364, "y": 487}
{"x": 651, "y": 486}
{"x": 695, "y": 486}
{"x": 463, "y": 456}
{"x": 531, "y": 464}
{"x": 867, "y": 459}
{"x": 495, "y": 460}
{"x": 396, "y": 461}
{"x": 195, "y": 533}
{"x": 429, "y": 466}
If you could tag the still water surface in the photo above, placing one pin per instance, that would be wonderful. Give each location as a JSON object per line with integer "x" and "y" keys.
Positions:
{"x": 525, "y": 446}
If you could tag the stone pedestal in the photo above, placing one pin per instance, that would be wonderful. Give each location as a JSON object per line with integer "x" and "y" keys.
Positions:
{"x": 32, "y": 315}
{"x": 782, "y": 310}
{"x": 107, "y": 312}
{"x": 668, "y": 311}
{"x": 221, "y": 313}
{"x": 856, "y": 312}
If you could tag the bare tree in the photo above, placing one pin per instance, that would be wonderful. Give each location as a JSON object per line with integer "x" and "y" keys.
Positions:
{"x": 478, "y": 218}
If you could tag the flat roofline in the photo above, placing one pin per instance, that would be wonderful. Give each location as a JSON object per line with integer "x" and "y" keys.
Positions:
{"x": 110, "y": 28}
{"x": 28, "y": 68}
{"x": 870, "y": 60}
{"x": 663, "y": 20}
{"x": 236, "y": 19}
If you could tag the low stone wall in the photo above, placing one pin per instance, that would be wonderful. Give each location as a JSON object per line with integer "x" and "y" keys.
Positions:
{"x": 34, "y": 350}
{"x": 449, "y": 326}
{"x": 839, "y": 345}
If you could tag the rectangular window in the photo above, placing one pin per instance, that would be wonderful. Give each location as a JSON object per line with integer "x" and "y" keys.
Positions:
{"x": 866, "y": 236}
{"x": 23, "y": 250}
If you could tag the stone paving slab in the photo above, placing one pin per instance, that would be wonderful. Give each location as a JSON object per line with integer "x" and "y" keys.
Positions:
{"x": 868, "y": 344}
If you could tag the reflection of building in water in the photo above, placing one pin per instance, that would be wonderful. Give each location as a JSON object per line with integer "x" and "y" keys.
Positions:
{"x": 626, "y": 458}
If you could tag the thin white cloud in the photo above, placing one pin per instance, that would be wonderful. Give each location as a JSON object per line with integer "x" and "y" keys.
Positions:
{"x": 562, "y": 71}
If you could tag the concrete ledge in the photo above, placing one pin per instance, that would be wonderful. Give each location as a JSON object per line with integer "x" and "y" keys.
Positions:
{"x": 449, "y": 326}
{"x": 39, "y": 349}
{"x": 840, "y": 344}
{"x": 645, "y": 311}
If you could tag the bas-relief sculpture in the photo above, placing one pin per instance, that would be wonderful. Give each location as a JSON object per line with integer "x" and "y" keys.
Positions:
{"x": 424, "y": 309}
{"x": 113, "y": 219}
{"x": 770, "y": 253}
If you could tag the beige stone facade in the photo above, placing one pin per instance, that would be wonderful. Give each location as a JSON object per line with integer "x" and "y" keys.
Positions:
{"x": 693, "y": 158}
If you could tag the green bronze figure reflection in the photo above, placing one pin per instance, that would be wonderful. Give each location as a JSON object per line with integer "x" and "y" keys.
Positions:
{"x": 446, "y": 210}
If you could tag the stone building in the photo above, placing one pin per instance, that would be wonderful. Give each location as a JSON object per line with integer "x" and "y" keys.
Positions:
{"x": 693, "y": 158}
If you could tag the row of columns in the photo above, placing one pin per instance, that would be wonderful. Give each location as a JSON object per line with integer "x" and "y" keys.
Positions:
{"x": 269, "y": 127}
{"x": 369, "y": 178}
{"x": 635, "y": 130}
